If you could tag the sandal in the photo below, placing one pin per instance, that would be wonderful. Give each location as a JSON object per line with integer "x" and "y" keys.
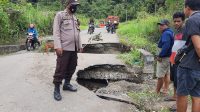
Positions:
{"x": 173, "y": 108}
{"x": 163, "y": 94}
{"x": 169, "y": 99}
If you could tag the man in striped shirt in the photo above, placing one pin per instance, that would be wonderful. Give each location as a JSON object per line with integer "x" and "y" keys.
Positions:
{"x": 179, "y": 42}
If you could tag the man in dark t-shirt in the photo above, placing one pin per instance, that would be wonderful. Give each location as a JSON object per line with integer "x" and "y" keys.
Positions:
{"x": 188, "y": 74}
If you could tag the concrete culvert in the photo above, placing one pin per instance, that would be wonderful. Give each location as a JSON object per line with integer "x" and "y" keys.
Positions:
{"x": 106, "y": 48}
{"x": 93, "y": 84}
{"x": 110, "y": 73}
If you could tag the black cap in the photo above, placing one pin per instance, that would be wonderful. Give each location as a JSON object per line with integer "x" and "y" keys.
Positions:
{"x": 163, "y": 22}
{"x": 73, "y": 2}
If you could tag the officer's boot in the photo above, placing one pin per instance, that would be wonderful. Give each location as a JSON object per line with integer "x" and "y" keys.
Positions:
{"x": 57, "y": 95}
{"x": 68, "y": 86}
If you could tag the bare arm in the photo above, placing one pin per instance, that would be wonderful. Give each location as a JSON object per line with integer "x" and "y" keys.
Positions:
{"x": 196, "y": 43}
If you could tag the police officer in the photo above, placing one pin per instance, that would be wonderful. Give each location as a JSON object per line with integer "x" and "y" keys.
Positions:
{"x": 67, "y": 43}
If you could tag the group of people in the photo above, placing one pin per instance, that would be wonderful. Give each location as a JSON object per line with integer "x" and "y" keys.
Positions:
{"x": 179, "y": 58}
{"x": 185, "y": 73}
{"x": 111, "y": 27}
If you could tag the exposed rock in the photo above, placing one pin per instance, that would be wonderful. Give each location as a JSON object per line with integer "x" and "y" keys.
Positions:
{"x": 95, "y": 38}
{"x": 148, "y": 60}
{"x": 93, "y": 85}
{"x": 145, "y": 98}
{"x": 120, "y": 88}
{"x": 118, "y": 91}
{"x": 105, "y": 48}
{"x": 111, "y": 73}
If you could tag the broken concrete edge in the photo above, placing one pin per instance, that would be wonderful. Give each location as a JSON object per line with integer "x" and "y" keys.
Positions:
{"x": 104, "y": 65}
{"x": 116, "y": 73}
{"x": 105, "y": 48}
{"x": 118, "y": 98}
{"x": 122, "y": 91}
{"x": 148, "y": 61}
{"x": 4, "y": 49}
{"x": 132, "y": 69}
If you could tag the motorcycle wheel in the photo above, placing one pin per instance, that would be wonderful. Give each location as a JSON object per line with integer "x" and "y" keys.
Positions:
{"x": 28, "y": 45}
{"x": 90, "y": 31}
{"x": 108, "y": 30}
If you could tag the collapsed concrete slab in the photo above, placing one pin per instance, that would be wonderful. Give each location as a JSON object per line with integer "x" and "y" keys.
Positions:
{"x": 105, "y": 48}
{"x": 111, "y": 73}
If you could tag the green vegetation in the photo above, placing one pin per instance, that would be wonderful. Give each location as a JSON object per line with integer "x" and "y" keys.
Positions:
{"x": 131, "y": 58}
{"x": 148, "y": 100}
{"x": 84, "y": 21}
{"x": 141, "y": 97}
{"x": 102, "y": 8}
{"x": 15, "y": 19}
{"x": 143, "y": 32}
{"x": 140, "y": 33}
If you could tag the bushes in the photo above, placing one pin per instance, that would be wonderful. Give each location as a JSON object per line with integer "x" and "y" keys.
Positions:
{"x": 84, "y": 21}
{"x": 140, "y": 33}
{"x": 131, "y": 58}
{"x": 15, "y": 18}
{"x": 4, "y": 26}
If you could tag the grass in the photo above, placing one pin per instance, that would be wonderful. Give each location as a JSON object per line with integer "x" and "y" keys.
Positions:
{"x": 84, "y": 21}
{"x": 144, "y": 97}
{"x": 83, "y": 27}
{"x": 139, "y": 97}
{"x": 147, "y": 99}
{"x": 140, "y": 33}
{"x": 131, "y": 58}
{"x": 14, "y": 27}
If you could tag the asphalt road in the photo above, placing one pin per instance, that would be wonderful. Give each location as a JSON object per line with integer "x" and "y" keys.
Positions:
{"x": 26, "y": 83}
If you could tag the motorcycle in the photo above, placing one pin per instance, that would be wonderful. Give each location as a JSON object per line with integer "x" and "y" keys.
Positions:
{"x": 113, "y": 29}
{"x": 30, "y": 44}
{"x": 91, "y": 29}
{"x": 108, "y": 28}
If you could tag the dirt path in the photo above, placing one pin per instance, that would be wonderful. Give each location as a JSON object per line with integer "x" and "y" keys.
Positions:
{"x": 26, "y": 84}
{"x": 107, "y": 37}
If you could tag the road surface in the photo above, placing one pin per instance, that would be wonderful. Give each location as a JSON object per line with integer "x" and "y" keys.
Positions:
{"x": 26, "y": 83}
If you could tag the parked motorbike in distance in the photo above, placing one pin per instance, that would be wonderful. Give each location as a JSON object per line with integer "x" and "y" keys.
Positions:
{"x": 108, "y": 28}
{"x": 91, "y": 29}
{"x": 113, "y": 29}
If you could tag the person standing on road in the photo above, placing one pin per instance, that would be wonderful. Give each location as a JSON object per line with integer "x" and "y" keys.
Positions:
{"x": 163, "y": 65}
{"x": 188, "y": 77}
{"x": 67, "y": 43}
{"x": 179, "y": 42}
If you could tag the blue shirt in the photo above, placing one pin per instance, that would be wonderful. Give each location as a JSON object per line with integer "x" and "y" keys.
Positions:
{"x": 166, "y": 43}
{"x": 34, "y": 31}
